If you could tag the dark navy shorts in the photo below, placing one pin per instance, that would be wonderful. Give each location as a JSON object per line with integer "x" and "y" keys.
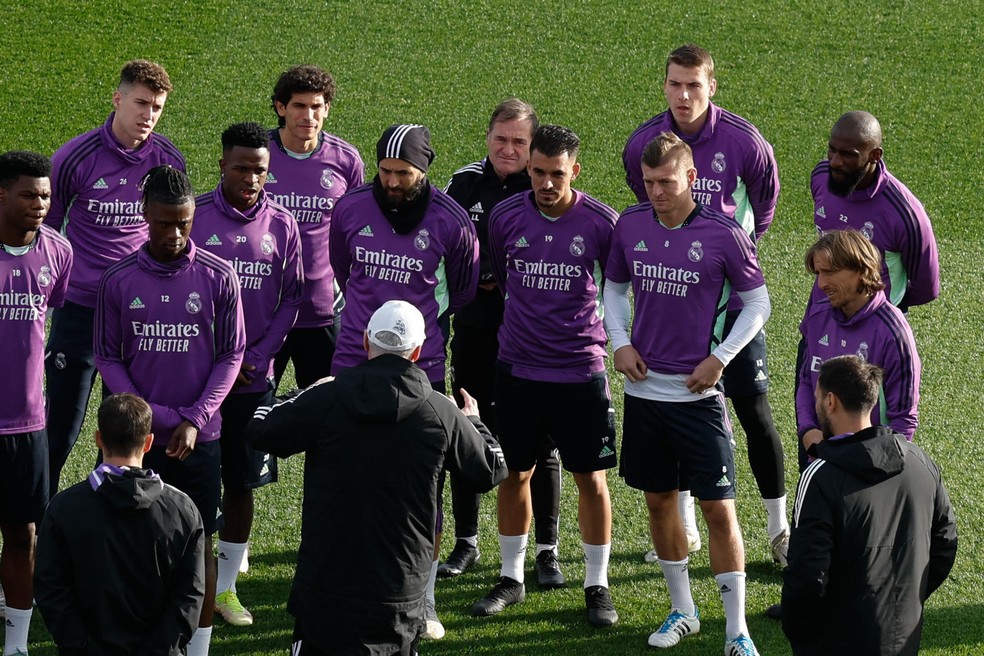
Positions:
{"x": 244, "y": 467}
{"x": 23, "y": 477}
{"x": 748, "y": 373}
{"x": 576, "y": 417}
{"x": 197, "y": 476}
{"x": 663, "y": 441}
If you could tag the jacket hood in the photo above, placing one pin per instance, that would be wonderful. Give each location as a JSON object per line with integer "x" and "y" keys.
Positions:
{"x": 131, "y": 489}
{"x": 872, "y": 455}
{"x": 384, "y": 390}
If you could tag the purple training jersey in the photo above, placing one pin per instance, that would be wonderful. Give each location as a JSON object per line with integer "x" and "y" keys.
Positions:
{"x": 877, "y": 333}
{"x": 681, "y": 280}
{"x": 551, "y": 273}
{"x": 896, "y": 223}
{"x": 264, "y": 249}
{"x": 736, "y": 168}
{"x": 434, "y": 267}
{"x": 97, "y": 201}
{"x": 29, "y": 285}
{"x": 173, "y": 334}
{"x": 310, "y": 188}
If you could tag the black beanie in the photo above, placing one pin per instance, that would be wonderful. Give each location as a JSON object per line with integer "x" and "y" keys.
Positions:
{"x": 411, "y": 143}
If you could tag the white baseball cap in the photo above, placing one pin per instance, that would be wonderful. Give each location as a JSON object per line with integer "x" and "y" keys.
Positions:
{"x": 401, "y": 319}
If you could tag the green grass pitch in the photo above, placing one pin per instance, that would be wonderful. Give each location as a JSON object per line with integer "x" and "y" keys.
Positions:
{"x": 791, "y": 68}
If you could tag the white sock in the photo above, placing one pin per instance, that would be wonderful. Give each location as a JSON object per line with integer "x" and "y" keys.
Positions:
{"x": 18, "y": 623}
{"x": 471, "y": 540}
{"x": 231, "y": 556}
{"x": 245, "y": 566}
{"x": 540, "y": 548}
{"x": 200, "y": 641}
{"x": 677, "y": 575}
{"x": 596, "y": 564}
{"x": 512, "y": 549}
{"x": 431, "y": 581}
{"x": 731, "y": 585}
{"x": 775, "y": 510}
{"x": 687, "y": 512}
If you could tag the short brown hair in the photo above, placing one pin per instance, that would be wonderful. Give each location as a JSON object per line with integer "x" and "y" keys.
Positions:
{"x": 691, "y": 56}
{"x": 849, "y": 250}
{"x": 514, "y": 109}
{"x": 124, "y": 422}
{"x": 852, "y": 380}
{"x": 146, "y": 73}
{"x": 665, "y": 148}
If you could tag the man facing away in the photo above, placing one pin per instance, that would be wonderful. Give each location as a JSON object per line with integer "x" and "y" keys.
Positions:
{"x": 736, "y": 175}
{"x": 376, "y": 438}
{"x": 120, "y": 564}
{"x": 96, "y": 202}
{"x": 35, "y": 262}
{"x": 171, "y": 312}
{"x": 874, "y": 533}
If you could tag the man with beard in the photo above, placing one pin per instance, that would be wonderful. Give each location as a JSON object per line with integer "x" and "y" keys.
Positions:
{"x": 853, "y": 188}
{"x": 874, "y": 533}
{"x": 399, "y": 238}
{"x": 478, "y": 188}
{"x": 549, "y": 248}
{"x": 855, "y": 318}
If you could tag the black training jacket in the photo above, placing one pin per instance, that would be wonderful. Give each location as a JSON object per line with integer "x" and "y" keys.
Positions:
{"x": 120, "y": 569}
{"x": 874, "y": 535}
{"x": 375, "y": 439}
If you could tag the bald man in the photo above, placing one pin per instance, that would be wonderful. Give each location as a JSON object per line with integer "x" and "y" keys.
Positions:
{"x": 853, "y": 188}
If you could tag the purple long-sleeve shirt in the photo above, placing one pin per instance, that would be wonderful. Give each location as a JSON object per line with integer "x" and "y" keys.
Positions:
{"x": 434, "y": 267}
{"x": 551, "y": 273}
{"x": 895, "y": 221}
{"x": 173, "y": 334}
{"x": 736, "y": 168}
{"x": 264, "y": 249}
{"x": 310, "y": 188}
{"x": 97, "y": 201}
{"x": 681, "y": 280}
{"x": 29, "y": 285}
{"x": 878, "y": 333}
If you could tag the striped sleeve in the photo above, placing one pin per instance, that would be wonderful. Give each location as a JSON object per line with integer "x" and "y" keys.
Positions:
{"x": 461, "y": 258}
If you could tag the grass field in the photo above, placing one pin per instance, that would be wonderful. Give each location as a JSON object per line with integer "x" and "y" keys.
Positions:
{"x": 791, "y": 68}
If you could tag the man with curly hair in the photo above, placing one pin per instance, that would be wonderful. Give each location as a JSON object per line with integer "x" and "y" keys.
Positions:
{"x": 309, "y": 171}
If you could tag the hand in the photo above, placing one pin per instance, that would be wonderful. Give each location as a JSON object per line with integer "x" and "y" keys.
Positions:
{"x": 487, "y": 286}
{"x": 470, "y": 406}
{"x": 811, "y": 437}
{"x": 705, "y": 375}
{"x": 243, "y": 378}
{"x": 629, "y": 362}
{"x": 182, "y": 441}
